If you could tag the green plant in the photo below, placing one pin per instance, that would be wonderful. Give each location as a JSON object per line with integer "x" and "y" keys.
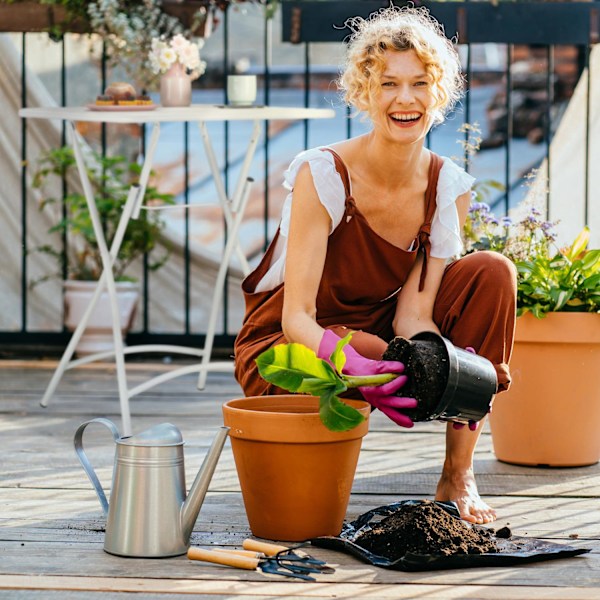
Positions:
{"x": 110, "y": 178}
{"x": 297, "y": 369}
{"x": 549, "y": 279}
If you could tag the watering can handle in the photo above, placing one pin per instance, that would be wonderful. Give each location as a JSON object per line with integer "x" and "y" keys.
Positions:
{"x": 83, "y": 459}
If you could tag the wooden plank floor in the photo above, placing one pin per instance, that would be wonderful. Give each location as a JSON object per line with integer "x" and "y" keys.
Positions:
{"x": 52, "y": 527}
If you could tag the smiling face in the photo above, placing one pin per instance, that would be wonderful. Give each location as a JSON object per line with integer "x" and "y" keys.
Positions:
{"x": 402, "y": 108}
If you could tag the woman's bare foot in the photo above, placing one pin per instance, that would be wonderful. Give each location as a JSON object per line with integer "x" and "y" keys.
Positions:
{"x": 460, "y": 487}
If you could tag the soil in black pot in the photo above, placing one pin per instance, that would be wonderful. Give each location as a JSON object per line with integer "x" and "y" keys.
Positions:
{"x": 427, "y": 368}
{"x": 425, "y": 528}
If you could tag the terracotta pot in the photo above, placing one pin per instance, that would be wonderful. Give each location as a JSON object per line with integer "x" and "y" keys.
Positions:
{"x": 296, "y": 475}
{"x": 551, "y": 414}
{"x": 98, "y": 336}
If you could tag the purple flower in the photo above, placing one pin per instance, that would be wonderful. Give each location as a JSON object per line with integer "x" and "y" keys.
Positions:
{"x": 479, "y": 207}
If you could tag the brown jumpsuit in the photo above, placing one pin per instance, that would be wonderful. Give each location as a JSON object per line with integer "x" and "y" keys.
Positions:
{"x": 363, "y": 273}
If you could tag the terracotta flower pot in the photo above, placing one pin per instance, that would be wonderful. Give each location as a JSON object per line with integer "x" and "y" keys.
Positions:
{"x": 296, "y": 475}
{"x": 551, "y": 414}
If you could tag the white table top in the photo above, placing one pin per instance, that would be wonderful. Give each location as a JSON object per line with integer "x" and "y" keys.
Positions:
{"x": 196, "y": 112}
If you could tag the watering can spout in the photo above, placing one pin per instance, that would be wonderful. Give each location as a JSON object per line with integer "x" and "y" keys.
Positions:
{"x": 194, "y": 500}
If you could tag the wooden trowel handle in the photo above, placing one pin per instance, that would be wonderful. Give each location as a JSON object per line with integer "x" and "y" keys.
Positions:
{"x": 240, "y": 552}
{"x": 223, "y": 558}
{"x": 268, "y": 549}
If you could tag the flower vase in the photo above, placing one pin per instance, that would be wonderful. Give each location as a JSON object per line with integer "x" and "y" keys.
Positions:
{"x": 176, "y": 87}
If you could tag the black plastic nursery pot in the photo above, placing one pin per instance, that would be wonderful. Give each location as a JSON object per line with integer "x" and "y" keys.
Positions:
{"x": 463, "y": 386}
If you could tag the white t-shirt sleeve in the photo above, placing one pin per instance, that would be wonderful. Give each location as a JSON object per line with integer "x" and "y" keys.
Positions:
{"x": 330, "y": 190}
{"x": 445, "y": 238}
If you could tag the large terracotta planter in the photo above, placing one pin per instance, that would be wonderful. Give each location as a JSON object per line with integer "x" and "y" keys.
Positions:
{"x": 551, "y": 414}
{"x": 296, "y": 475}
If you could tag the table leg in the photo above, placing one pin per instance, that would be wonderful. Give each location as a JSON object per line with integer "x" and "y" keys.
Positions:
{"x": 220, "y": 283}
{"x": 107, "y": 281}
{"x": 226, "y": 204}
{"x": 233, "y": 211}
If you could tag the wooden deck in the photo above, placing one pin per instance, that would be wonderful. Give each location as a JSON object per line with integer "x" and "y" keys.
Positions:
{"x": 52, "y": 526}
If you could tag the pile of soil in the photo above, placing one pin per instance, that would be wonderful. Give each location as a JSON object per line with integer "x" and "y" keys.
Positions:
{"x": 426, "y": 528}
{"x": 426, "y": 364}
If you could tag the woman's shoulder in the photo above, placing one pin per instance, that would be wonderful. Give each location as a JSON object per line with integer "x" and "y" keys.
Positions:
{"x": 342, "y": 149}
{"x": 451, "y": 166}
{"x": 318, "y": 153}
{"x": 320, "y": 160}
{"x": 453, "y": 180}
{"x": 327, "y": 182}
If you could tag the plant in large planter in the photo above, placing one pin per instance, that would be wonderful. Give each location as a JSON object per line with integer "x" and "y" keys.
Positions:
{"x": 79, "y": 259}
{"x": 551, "y": 414}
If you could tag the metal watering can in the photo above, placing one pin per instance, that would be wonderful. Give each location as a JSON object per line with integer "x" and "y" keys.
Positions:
{"x": 149, "y": 514}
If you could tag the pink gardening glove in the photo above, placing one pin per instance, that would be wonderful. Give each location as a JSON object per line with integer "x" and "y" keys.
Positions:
{"x": 472, "y": 424}
{"x": 382, "y": 396}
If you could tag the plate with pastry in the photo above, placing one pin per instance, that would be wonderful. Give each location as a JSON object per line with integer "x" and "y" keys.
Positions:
{"x": 121, "y": 107}
{"x": 121, "y": 96}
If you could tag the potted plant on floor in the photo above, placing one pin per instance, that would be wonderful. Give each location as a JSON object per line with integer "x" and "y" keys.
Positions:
{"x": 79, "y": 258}
{"x": 551, "y": 414}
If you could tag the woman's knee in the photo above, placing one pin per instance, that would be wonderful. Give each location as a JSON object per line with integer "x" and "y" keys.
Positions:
{"x": 492, "y": 267}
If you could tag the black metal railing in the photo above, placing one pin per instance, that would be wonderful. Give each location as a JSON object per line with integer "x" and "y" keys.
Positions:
{"x": 540, "y": 30}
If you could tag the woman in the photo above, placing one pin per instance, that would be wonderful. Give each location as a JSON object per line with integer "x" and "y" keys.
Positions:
{"x": 368, "y": 232}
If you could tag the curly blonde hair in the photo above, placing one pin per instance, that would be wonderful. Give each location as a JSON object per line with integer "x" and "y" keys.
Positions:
{"x": 399, "y": 29}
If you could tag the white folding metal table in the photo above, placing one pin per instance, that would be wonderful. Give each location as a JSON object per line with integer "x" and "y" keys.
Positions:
{"x": 233, "y": 211}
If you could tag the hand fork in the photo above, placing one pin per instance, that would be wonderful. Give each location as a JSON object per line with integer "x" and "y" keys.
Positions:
{"x": 243, "y": 561}
{"x": 288, "y": 558}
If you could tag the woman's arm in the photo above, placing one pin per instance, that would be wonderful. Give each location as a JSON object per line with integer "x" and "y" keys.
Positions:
{"x": 307, "y": 246}
{"x": 414, "y": 310}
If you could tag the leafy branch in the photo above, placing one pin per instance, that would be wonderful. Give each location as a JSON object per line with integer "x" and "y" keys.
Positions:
{"x": 567, "y": 281}
{"x": 297, "y": 369}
